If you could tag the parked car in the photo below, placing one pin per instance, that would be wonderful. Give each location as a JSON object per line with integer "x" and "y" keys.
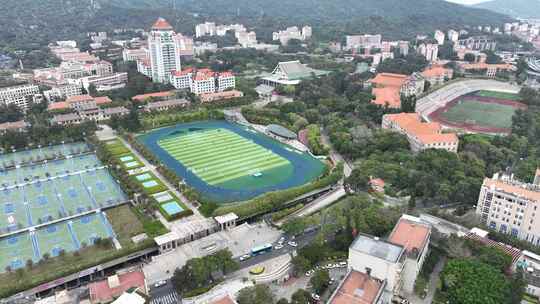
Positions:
{"x": 315, "y": 296}
{"x": 245, "y": 257}
{"x": 343, "y": 264}
{"x": 292, "y": 244}
{"x": 278, "y": 247}
{"x": 160, "y": 283}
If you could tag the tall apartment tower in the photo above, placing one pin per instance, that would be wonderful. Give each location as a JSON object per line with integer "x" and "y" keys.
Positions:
{"x": 164, "y": 51}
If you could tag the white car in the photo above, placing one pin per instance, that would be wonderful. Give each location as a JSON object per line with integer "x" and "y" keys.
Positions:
{"x": 315, "y": 296}
{"x": 160, "y": 283}
{"x": 245, "y": 257}
{"x": 278, "y": 247}
{"x": 343, "y": 264}
{"x": 292, "y": 244}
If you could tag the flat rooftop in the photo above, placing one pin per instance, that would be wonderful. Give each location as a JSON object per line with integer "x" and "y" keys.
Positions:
{"x": 358, "y": 288}
{"x": 410, "y": 234}
{"x": 378, "y": 248}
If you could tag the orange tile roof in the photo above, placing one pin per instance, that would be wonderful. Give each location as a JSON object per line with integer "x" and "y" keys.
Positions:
{"x": 410, "y": 235}
{"x": 358, "y": 288}
{"x": 437, "y": 138}
{"x": 102, "y": 100}
{"x": 224, "y": 300}
{"x": 102, "y": 292}
{"x": 79, "y": 98}
{"x": 435, "y": 71}
{"x": 389, "y": 80}
{"x": 162, "y": 24}
{"x": 512, "y": 189}
{"x": 58, "y": 106}
{"x": 226, "y": 74}
{"x": 427, "y": 133}
{"x": 387, "y": 96}
{"x": 142, "y": 97}
{"x": 377, "y": 182}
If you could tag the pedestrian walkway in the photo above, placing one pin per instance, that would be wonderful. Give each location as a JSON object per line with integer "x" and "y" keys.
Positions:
{"x": 170, "y": 298}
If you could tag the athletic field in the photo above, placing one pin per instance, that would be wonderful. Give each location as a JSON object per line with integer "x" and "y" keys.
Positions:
{"x": 491, "y": 115}
{"x": 218, "y": 155}
{"x": 481, "y": 111}
{"x": 228, "y": 162}
{"x": 498, "y": 95}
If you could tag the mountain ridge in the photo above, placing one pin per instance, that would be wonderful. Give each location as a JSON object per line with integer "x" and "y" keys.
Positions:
{"x": 514, "y": 8}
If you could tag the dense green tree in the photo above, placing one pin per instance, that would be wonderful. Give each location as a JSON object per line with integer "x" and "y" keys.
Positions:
{"x": 258, "y": 294}
{"x": 473, "y": 282}
{"x": 301, "y": 296}
{"x": 319, "y": 281}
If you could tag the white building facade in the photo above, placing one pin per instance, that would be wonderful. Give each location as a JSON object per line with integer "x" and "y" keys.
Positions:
{"x": 164, "y": 51}
{"x": 21, "y": 95}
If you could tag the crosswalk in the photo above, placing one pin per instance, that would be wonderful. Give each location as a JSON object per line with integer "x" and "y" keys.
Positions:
{"x": 170, "y": 298}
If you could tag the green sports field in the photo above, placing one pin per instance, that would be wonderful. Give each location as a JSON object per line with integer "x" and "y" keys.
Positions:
{"x": 219, "y": 157}
{"x": 481, "y": 113}
{"x": 499, "y": 95}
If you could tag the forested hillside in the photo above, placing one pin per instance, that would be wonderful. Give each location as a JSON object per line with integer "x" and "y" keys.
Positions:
{"x": 515, "y": 8}
{"x": 29, "y": 23}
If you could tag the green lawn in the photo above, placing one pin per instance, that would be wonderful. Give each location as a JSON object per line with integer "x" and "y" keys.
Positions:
{"x": 116, "y": 147}
{"x": 218, "y": 156}
{"x": 149, "y": 182}
{"x": 481, "y": 113}
{"x": 499, "y": 95}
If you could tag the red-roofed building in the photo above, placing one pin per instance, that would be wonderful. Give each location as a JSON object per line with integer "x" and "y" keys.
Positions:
{"x": 165, "y": 95}
{"x": 491, "y": 70}
{"x": 210, "y": 97}
{"x": 377, "y": 184}
{"x": 107, "y": 290}
{"x": 162, "y": 24}
{"x": 226, "y": 299}
{"x": 411, "y": 233}
{"x": 437, "y": 75}
{"x": 421, "y": 135}
{"x": 389, "y": 87}
{"x": 358, "y": 288}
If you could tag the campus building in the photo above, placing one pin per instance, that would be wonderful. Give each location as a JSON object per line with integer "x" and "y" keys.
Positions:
{"x": 511, "y": 206}
{"x": 380, "y": 269}
{"x": 439, "y": 36}
{"x": 355, "y": 42}
{"x": 62, "y": 92}
{"x": 389, "y": 87}
{"x": 478, "y": 43}
{"x": 489, "y": 70}
{"x": 21, "y": 95}
{"x": 421, "y": 135}
{"x": 437, "y": 75}
{"x": 429, "y": 50}
{"x": 164, "y": 51}
{"x": 291, "y": 73}
{"x": 292, "y": 33}
{"x": 83, "y": 108}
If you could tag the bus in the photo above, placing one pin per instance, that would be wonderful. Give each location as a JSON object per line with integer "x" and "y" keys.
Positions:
{"x": 261, "y": 249}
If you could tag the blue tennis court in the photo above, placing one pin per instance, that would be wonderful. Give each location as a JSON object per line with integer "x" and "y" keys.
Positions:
{"x": 172, "y": 208}
{"x": 40, "y": 193}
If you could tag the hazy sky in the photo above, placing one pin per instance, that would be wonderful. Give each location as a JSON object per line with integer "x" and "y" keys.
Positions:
{"x": 467, "y": 1}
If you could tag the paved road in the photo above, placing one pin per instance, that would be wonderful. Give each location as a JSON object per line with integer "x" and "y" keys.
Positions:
{"x": 301, "y": 240}
{"x": 335, "y": 156}
{"x": 318, "y": 204}
{"x": 164, "y": 295}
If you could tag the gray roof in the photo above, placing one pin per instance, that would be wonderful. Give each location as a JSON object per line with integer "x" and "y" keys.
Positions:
{"x": 65, "y": 117}
{"x": 115, "y": 110}
{"x": 297, "y": 70}
{"x": 264, "y": 89}
{"x": 166, "y": 103}
{"x": 377, "y": 248}
{"x": 281, "y": 131}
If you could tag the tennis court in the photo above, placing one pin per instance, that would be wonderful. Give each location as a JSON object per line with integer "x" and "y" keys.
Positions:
{"x": 15, "y": 250}
{"x": 88, "y": 228}
{"x": 54, "y": 238}
{"x": 34, "y": 194}
{"x": 218, "y": 155}
{"x": 40, "y": 154}
{"x": 228, "y": 162}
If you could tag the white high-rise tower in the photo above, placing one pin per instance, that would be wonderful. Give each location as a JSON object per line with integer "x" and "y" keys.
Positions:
{"x": 164, "y": 51}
